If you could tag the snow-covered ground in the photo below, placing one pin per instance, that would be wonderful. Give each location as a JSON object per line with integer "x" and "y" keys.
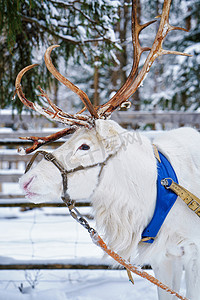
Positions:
{"x": 51, "y": 235}
{"x": 76, "y": 285}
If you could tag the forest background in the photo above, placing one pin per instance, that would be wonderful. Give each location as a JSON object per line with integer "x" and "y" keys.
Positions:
{"x": 96, "y": 52}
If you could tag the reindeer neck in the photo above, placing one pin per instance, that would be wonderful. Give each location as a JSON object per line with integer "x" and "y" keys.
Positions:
{"x": 125, "y": 199}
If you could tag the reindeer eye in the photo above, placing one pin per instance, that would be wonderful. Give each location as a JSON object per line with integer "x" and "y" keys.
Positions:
{"x": 84, "y": 147}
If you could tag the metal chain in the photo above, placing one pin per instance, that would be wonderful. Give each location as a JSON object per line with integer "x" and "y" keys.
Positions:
{"x": 77, "y": 215}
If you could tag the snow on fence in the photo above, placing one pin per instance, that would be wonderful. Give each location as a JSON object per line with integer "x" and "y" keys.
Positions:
{"x": 44, "y": 236}
{"x": 157, "y": 119}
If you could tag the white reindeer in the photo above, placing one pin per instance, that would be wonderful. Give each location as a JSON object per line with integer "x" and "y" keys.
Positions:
{"x": 124, "y": 190}
{"x": 124, "y": 196}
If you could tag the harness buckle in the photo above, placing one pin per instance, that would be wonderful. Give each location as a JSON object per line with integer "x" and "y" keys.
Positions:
{"x": 49, "y": 156}
{"x": 166, "y": 182}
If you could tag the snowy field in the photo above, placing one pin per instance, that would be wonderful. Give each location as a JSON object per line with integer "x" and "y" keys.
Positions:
{"x": 50, "y": 235}
{"x": 76, "y": 285}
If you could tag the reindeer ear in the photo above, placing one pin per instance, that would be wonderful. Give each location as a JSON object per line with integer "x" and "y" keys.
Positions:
{"x": 110, "y": 134}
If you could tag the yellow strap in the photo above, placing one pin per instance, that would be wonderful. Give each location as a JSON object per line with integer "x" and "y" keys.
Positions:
{"x": 130, "y": 277}
{"x": 192, "y": 201}
{"x": 156, "y": 153}
{"x": 145, "y": 239}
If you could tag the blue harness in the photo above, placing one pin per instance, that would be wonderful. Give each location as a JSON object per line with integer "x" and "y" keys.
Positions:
{"x": 165, "y": 200}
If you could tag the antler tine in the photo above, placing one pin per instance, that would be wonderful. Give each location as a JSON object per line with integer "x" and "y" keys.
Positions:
{"x": 138, "y": 50}
{"x": 19, "y": 87}
{"x": 82, "y": 95}
{"x": 63, "y": 117}
{"x": 21, "y": 95}
{"x": 164, "y": 29}
{"x": 56, "y": 114}
{"x": 155, "y": 51}
{"x": 41, "y": 141}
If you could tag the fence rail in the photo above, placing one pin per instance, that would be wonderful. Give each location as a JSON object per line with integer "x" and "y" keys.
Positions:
{"x": 122, "y": 117}
{"x": 55, "y": 266}
{"x": 154, "y": 117}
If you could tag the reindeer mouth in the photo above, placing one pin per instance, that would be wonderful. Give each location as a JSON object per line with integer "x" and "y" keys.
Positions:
{"x": 27, "y": 189}
{"x": 30, "y": 195}
{"x": 27, "y": 184}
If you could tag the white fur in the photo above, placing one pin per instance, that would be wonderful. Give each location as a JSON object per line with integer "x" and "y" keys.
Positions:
{"x": 124, "y": 197}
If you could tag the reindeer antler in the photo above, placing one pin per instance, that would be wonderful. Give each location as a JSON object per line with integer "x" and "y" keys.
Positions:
{"x": 138, "y": 50}
{"x": 133, "y": 82}
{"x": 84, "y": 98}
{"x": 41, "y": 141}
{"x": 54, "y": 113}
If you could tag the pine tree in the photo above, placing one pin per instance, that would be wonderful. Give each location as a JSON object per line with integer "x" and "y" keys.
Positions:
{"x": 83, "y": 28}
{"x": 173, "y": 83}
{"x": 185, "y": 89}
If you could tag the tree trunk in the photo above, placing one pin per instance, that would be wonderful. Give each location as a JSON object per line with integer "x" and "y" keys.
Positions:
{"x": 136, "y": 96}
{"x": 96, "y": 84}
{"x": 118, "y": 76}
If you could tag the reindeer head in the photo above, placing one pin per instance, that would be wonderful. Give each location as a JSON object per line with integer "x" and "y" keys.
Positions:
{"x": 92, "y": 142}
{"x": 83, "y": 156}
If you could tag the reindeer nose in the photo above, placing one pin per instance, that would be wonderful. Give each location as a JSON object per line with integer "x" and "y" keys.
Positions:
{"x": 26, "y": 185}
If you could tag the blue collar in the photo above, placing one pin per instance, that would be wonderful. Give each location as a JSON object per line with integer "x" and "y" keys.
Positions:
{"x": 165, "y": 200}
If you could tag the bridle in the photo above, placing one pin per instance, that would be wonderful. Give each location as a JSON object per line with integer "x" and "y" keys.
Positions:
{"x": 64, "y": 172}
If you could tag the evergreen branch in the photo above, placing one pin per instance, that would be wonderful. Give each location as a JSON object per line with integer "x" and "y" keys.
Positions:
{"x": 63, "y": 37}
{"x": 93, "y": 22}
{"x": 64, "y": 5}
{"x": 35, "y": 21}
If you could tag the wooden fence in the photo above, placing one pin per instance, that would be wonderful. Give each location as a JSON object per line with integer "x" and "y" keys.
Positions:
{"x": 157, "y": 120}
{"x": 132, "y": 118}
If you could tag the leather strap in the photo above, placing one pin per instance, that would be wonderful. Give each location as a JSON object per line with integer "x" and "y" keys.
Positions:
{"x": 156, "y": 153}
{"x": 192, "y": 201}
{"x": 130, "y": 277}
